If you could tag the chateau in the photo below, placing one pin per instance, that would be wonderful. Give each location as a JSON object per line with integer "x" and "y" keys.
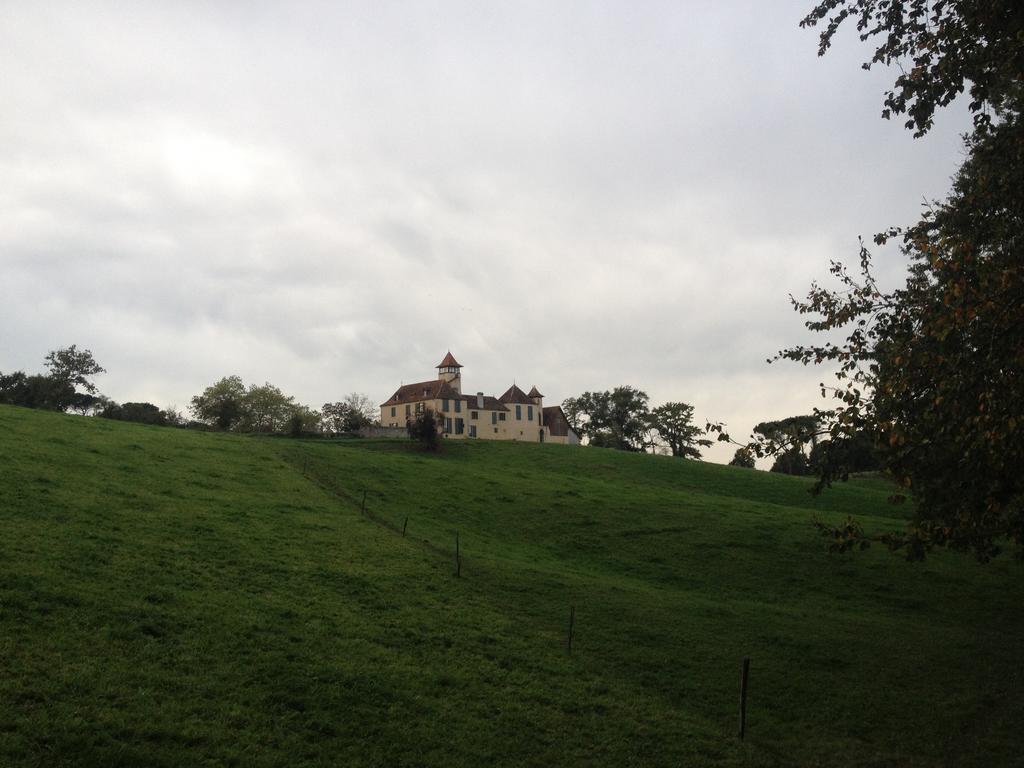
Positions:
{"x": 516, "y": 415}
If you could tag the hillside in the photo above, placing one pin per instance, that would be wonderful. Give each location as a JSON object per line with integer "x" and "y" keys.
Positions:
{"x": 180, "y": 598}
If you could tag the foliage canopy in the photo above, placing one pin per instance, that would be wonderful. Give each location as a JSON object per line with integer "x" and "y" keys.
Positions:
{"x": 618, "y": 418}
{"x": 69, "y": 370}
{"x": 674, "y": 424}
{"x": 425, "y": 428}
{"x": 348, "y": 415}
{"x": 941, "y": 48}
{"x": 932, "y": 374}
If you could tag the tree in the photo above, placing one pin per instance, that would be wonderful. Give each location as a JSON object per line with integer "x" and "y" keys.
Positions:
{"x": 229, "y": 405}
{"x": 788, "y": 439}
{"x": 617, "y": 419}
{"x": 265, "y": 409}
{"x": 932, "y": 374}
{"x": 69, "y": 368}
{"x": 425, "y": 428}
{"x": 574, "y": 409}
{"x": 350, "y": 415}
{"x": 940, "y": 47}
{"x": 303, "y": 421}
{"x": 673, "y": 423}
{"x": 856, "y": 452}
{"x": 932, "y": 371}
{"x": 142, "y": 413}
{"x": 37, "y": 391}
{"x": 363, "y": 411}
{"x": 743, "y": 457}
{"x": 174, "y": 417}
{"x": 221, "y": 404}
{"x": 792, "y": 461}
{"x": 628, "y": 419}
{"x": 73, "y": 367}
{"x": 334, "y": 417}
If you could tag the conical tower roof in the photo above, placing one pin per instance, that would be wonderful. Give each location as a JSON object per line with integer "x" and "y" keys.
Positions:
{"x": 515, "y": 395}
{"x": 448, "y": 362}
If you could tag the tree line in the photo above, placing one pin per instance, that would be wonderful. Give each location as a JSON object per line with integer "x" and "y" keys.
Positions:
{"x": 66, "y": 385}
{"x": 622, "y": 419}
{"x": 227, "y": 405}
{"x": 801, "y": 447}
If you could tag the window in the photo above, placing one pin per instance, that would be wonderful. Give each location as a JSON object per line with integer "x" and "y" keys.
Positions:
{"x": 494, "y": 418}
{"x": 529, "y": 413}
{"x": 408, "y": 410}
{"x": 458, "y": 406}
{"x": 501, "y": 417}
{"x": 444, "y": 404}
{"x": 448, "y": 425}
{"x": 472, "y": 430}
{"x": 474, "y": 414}
{"x": 393, "y": 411}
{"x": 519, "y": 412}
{"x": 460, "y": 425}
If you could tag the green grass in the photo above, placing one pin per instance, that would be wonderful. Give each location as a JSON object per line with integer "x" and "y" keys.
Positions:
{"x": 178, "y": 598}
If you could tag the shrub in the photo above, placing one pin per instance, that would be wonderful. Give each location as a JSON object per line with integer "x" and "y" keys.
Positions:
{"x": 424, "y": 428}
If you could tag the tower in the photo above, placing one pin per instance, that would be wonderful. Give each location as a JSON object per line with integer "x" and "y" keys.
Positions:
{"x": 536, "y": 397}
{"x": 450, "y": 371}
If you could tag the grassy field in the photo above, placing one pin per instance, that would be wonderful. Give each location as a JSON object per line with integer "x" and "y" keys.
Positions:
{"x": 179, "y": 598}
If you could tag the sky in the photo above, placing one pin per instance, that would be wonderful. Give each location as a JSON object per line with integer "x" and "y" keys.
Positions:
{"x": 329, "y": 195}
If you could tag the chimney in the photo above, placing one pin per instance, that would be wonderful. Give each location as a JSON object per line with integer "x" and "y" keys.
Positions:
{"x": 480, "y": 400}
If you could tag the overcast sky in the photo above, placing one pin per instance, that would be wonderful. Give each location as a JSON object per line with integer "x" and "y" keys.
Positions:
{"x": 329, "y": 196}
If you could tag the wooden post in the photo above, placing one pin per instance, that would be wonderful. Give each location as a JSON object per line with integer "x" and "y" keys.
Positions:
{"x": 743, "y": 697}
{"x": 572, "y": 622}
{"x": 362, "y": 510}
{"x": 404, "y": 526}
{"x": 458, "y": 557}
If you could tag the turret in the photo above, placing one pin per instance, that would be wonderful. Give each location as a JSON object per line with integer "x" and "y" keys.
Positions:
{"x": 450, "y": 371}
{"x": 536, "y": 397}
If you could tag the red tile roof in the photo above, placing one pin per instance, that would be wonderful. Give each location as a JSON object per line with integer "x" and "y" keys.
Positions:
{"x": 490, "y": 403}
{"x": 448, "y": 361}
{"x": 555, "y": 421}
{"x": 423, "y": 390}
{"x": 515, "y": 395}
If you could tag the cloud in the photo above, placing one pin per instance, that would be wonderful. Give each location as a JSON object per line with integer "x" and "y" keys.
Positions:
{"x": 330, "y": 196}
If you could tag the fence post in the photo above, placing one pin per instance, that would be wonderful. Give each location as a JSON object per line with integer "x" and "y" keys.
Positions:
{"x": 743, "y": 697}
